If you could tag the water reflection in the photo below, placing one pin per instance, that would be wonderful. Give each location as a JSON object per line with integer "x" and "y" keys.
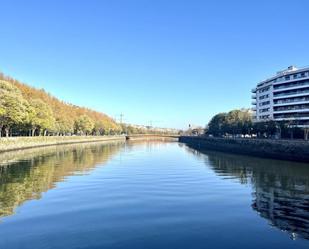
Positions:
{"x": 150, "y": 181}
{"x": 280, "y": 188}
{"x": 26, "y": 174}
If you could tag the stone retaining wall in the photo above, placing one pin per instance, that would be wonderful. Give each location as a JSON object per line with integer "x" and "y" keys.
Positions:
{"x": 295, "y": 150}
{"x": 17, "y": 143}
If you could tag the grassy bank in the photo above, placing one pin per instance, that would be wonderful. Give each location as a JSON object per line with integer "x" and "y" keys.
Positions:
{"x": 17, "y": 143}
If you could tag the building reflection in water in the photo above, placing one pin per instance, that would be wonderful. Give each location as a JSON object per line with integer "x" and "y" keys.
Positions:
{"x": 280, "y": 188}
{"x": 26, "y": 174}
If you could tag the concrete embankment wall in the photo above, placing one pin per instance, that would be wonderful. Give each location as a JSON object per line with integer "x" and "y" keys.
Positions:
{"x": 295, "y": 150}
{"x": 17, "y": 143}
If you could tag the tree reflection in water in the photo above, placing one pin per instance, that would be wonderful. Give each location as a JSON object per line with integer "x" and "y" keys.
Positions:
{"x": 280, "y": 188}
{"x": 26, "y": 174}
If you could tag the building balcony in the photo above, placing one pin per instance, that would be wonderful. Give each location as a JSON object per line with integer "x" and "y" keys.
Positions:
{"x": 293, "y": 110}
{"x": 290, "y": 118}
{"x": 253, "y": 90}
{"x": 300, "y": 78}
{"x": 291, "y": 95}
{"x": 253, "y": 96}
{"x": 253, "y": 102}
{"x": 292, "y": 87}
{"x": 287, "y": 103}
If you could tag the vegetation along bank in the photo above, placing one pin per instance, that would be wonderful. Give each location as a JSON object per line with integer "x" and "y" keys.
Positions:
{"x": 27, "y": 111}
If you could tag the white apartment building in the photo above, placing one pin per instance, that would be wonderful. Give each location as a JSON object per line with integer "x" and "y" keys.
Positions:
{"x": 284, "y": 97}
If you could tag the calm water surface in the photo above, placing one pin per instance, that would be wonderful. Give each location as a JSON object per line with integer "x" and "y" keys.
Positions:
{"x": 150, "y": 195}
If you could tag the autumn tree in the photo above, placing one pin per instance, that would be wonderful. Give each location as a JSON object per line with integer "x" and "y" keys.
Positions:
{"x": 41, "y": 117}
{"x": 64, "y": 125}
{"x": 12, "y": 107}
{"x": 99, "y": 127}
{"x": 84, "y": 125}
{"x": 24, "y": 109}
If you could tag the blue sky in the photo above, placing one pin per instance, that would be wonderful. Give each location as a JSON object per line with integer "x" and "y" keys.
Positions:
{"x": 172, "y": 62}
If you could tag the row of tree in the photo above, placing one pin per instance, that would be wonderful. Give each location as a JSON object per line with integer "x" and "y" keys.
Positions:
{"x": 133, "y": 129}
{"x": 26, "y": 111}
{"x": 240, "y": 123}
{"x": 233, "y": 123}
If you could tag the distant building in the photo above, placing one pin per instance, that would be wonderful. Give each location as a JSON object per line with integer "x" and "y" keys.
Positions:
{"x": 284, "y": 97}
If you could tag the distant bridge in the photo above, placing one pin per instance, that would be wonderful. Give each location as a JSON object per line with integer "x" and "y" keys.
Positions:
{"x": 152, "y": 136}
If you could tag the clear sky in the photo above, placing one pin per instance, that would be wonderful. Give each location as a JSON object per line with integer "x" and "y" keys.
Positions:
{"x": 171, "y": 61}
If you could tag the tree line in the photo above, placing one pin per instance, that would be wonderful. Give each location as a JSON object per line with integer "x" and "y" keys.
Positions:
{"x": 27, "y": 111}
{"x": 239, "y": 123}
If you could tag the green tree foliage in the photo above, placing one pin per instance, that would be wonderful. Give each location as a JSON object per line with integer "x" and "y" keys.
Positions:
{"x": 239, "y": 122}
{"x": 27, "y": 111}
{"x": 233, "y": 122}
{"x": 217, "y": 124}
{"x": 41, "y": 116}
{"x": 84, "y": 125}
{"x": 133, "y": 130}
{"x": 101, "y": 127}
{"x": 64, "y": 125}
{"x": 12, "y": 107}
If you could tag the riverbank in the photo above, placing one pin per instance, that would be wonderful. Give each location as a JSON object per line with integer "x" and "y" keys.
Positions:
{"x": 153, "y": 137}
{"x": 293, "y": 150}
{"x": 18, "y": 143}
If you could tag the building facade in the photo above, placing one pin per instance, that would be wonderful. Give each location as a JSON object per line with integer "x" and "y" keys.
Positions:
{"x": 284, "y": 97}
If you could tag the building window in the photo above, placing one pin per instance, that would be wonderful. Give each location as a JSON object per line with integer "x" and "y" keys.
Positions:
{"x": 292, "y": 107}
{"x": 265, "y": 89}
{"x": 264, "y": 96}
{"x": 292, "y": 115}
{"x": 292, "y": 84}
{"x": 291, "y": 100}
{"x": 264, "y": 110}
{"x": 264, "y": 103}
{"x": 292, "y": 92}
{"x": 287, "y": 77}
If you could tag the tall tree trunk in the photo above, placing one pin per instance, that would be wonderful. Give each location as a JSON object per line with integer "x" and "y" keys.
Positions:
{"x": 44, "y": 133}
{"x": 7, "y": 131}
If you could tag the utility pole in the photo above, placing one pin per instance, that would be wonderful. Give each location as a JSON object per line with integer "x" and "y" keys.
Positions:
{"x": 123, "y": 124}
{"x": 121, "y": 117}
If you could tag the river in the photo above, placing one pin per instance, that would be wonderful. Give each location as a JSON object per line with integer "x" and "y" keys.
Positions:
{"x": 150, "y": 195}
